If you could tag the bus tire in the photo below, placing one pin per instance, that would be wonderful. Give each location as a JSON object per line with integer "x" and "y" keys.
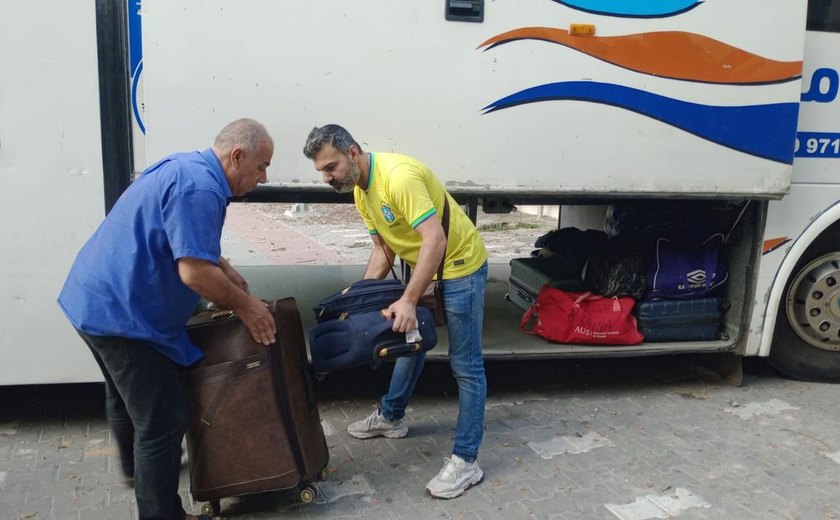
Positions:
{"x": 806, "y": 340}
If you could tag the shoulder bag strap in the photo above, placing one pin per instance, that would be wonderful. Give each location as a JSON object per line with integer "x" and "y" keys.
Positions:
{"x": 523, "y": 324}
{"x": 390, "y": 265}
{"x": 445, "y": 223}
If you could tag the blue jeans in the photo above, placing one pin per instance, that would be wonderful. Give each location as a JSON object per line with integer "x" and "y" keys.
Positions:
{"x": 464, "y": 304}
{"x": 147, "y": 409}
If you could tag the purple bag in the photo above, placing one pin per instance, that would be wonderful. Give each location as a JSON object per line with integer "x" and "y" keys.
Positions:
{"x": 681, "y": 270}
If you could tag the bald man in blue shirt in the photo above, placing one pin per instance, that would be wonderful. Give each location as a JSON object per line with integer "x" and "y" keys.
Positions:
{"x": 135, "y": 284}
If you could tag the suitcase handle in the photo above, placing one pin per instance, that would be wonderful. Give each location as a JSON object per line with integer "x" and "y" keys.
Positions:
{"x": 221, "y": 315}
{"x": 398, "y": 349}
{"x": 392, "y": 349}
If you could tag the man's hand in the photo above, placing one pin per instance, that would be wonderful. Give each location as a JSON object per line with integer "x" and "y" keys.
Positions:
{"x": 404, "y": 313}
{"x": 432, "y": 249}
{"x": 256, "y": 316}
{"x": 215, "y": 284}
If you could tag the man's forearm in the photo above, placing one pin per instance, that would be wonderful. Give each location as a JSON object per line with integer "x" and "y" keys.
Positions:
{"x": 210, "y": 282}
{"x": 379, "y": 264}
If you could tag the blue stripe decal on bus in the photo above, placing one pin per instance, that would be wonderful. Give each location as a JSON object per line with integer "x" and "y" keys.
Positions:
{"x": 135, "y": 55}
{"x": 632, "y": 9}
{"x": 765, "y": 131}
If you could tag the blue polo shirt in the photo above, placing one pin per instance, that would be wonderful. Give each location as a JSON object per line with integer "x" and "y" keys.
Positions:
{"x": 125, "y": 279}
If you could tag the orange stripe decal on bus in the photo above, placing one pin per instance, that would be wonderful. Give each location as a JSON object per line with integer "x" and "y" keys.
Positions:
{"x": 670, "y": 54}
{"x": 771, "y": 244}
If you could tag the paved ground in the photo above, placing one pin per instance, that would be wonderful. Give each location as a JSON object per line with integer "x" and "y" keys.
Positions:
{"x": 632, "y": 439}
{"x": 595, "y": 439}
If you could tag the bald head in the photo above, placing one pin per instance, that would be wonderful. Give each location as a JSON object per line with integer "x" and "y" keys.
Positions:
{"x": 246, "y": 134}
{"x": 244, "y": 148}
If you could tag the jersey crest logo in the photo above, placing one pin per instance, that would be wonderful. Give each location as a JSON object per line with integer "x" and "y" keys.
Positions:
{"x": 387, "y": 213}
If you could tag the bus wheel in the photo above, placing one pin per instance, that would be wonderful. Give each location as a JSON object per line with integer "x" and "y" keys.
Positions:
{"x": 806, "y": 342}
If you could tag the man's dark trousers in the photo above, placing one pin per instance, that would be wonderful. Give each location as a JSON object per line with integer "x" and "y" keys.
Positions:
{"x": 148, "y": 412}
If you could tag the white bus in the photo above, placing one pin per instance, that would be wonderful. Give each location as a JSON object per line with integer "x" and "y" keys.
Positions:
{"x": 796, "y": 315}
{"x": 570, "y": 102}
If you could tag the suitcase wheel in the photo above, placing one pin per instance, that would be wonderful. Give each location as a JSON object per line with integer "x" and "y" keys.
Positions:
{"x": 324, "y": 474}
{"x": 307, "y": 495}
{"x": 211, "y": 509}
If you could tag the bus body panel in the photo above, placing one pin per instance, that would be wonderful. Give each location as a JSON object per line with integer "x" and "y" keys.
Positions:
{"x": 51, "y": 164}
{"x": 402, "y": 78}
{"x": 812, "y": 205}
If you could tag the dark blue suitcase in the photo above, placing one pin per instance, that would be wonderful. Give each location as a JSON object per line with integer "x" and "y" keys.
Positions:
{"x": 365, "y": 339}
{"x": 361, "y": 296}
{"x": 699, "y": 319}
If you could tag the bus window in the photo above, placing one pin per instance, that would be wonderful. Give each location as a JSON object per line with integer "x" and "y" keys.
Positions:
{"x": 824, "y": 15}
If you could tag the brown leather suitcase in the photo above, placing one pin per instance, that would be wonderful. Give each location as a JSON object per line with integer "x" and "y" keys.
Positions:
{"x": 254, "y": 423}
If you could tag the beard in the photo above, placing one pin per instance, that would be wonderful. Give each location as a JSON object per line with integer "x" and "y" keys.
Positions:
{"x": 346, "y": 185}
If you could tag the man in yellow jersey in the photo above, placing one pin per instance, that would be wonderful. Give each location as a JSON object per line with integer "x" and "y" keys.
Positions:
{"x": 402, "y": 202}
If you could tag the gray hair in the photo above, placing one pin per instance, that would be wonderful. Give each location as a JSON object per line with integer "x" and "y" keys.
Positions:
{"x": 333, "y": 135}
{"x": 244, "y": 133}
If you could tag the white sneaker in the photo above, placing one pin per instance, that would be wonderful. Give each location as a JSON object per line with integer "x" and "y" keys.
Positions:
{"x": 454, "y": 478}
{"x": 374, "y": 425}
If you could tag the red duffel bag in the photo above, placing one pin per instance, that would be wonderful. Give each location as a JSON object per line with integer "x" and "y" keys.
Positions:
{"x": 573, "y": 317}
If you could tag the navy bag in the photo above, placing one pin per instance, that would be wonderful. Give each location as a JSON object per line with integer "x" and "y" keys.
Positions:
{"x": 362, "y": 296}
{"x": 365, "y": 338}
{"x": 686, "y": 270}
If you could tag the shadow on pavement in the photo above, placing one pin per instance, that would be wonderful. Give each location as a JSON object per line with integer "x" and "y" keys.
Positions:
{"x": 85, "y": 401}
{"x": 540, "y": 376}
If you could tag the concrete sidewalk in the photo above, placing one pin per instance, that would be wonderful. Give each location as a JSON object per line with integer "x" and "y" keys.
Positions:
{"x": 632, "y": 439}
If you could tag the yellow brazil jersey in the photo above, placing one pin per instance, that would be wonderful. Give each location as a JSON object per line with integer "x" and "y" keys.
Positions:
{"x": 402, "y": 193}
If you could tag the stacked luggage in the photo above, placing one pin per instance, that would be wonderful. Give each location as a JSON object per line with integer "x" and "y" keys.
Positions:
{"x": 669, "y": 259}
{"x": 529, "y": 275}
{"x": 557, "y": 263}
{"x": 696, "y": 319}
{"x": 254, "y": 425}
